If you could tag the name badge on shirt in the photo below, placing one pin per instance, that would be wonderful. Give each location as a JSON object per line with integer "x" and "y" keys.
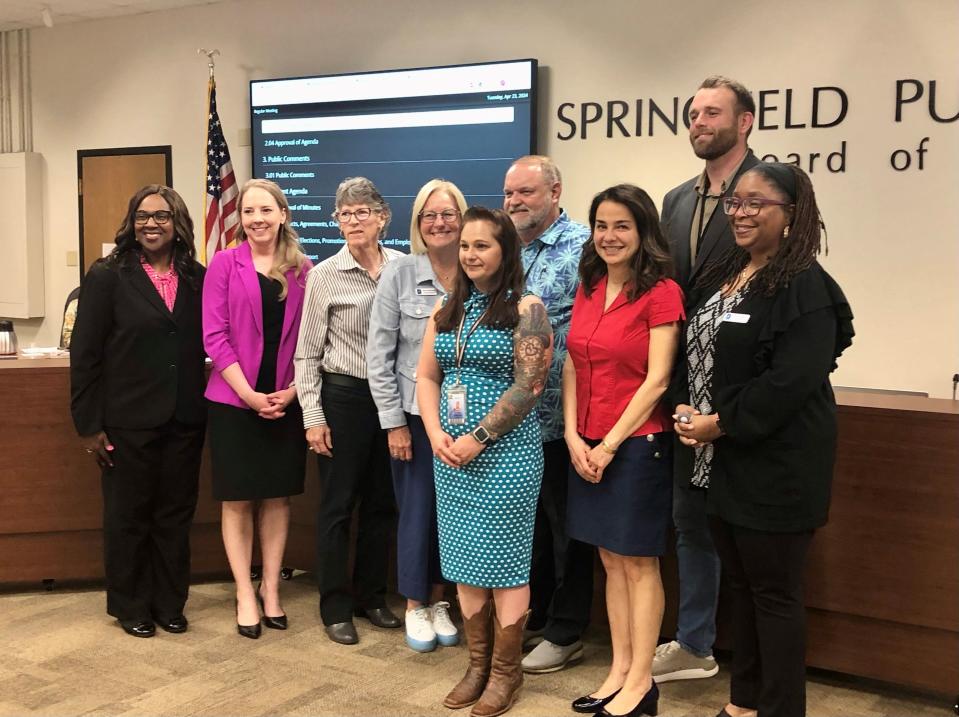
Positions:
{"x": 456, "y": 405}
{"x": 734, "y": 318}
{"x": 426, "y": 291}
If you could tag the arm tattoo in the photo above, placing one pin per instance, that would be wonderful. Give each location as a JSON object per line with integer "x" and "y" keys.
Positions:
{"x": 532, "y": 350}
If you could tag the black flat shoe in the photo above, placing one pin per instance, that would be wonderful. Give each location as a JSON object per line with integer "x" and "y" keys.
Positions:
{"x": 274, "y": 623}
{"x": 343, "y": 633}
{"x": 138, "y": 628}
{"x": 649, "y": 705}
{"x": 587, "y": 704}
{"x": 176, "y": 624}
{"x": 380, "y": 617}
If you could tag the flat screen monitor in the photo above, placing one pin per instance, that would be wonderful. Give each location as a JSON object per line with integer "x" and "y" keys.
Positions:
{"x": 399, "y": 128}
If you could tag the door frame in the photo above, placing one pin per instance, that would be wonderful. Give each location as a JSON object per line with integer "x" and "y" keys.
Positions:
{"x": 164, "y": 149}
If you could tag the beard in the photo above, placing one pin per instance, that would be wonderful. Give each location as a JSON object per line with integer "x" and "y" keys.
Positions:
{"x": 524, "y": 221}
{"x": 723, "y": 140}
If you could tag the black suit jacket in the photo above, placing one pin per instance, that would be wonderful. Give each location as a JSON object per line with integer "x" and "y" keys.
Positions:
{"x": 773, "y": 469}
{"x": 133, "y": 363}
{"x": 679, "y": 205}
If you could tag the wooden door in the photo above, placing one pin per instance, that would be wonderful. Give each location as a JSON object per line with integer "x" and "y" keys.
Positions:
{"x": 106, "y": 179}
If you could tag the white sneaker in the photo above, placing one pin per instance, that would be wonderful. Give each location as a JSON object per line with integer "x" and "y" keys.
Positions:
{"x": 419, "y": 629}
{"x": 549, "y": 657}
{"x": 673, "y": 662}
{"x": 531, "y": 638}
{"x": 446, "y": 633}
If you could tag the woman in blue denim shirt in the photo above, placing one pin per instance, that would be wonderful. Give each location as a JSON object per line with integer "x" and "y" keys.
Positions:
{"x": 408, "y": 289}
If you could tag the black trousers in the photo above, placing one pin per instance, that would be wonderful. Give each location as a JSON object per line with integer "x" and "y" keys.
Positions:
{"x": 149, "y": 498}
{"x": 764, "y": 576}
{"x": 357, "y": 474}
{"x": 561, "y": 575}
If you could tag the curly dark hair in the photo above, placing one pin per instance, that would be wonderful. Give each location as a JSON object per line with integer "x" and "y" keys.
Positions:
{"x": 796, "y": 254}
{"x": 510, "y": 282}
{"x": 650, "y": 264}
{"x": 126, "y": 253}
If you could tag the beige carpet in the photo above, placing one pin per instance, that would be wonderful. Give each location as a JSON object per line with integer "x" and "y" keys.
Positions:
{"x": 60, "y": 654}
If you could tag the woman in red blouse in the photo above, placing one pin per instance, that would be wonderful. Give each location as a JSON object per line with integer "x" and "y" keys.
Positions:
{"x": 622, "y": 342}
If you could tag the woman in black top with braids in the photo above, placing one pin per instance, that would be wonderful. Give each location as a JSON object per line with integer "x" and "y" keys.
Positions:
{"x": 756, "y": 413}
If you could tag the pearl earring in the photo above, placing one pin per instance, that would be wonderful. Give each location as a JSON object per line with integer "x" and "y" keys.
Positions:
{"x": 786, "y": 231}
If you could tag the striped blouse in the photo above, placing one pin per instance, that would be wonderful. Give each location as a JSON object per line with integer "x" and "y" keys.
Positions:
{"x": 333, "y": 332}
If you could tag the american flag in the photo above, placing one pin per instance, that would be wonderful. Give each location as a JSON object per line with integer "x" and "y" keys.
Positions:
{"x": 221, "y": 191}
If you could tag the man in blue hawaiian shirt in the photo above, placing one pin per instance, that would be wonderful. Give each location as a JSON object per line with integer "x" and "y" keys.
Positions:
{"x": 561, "y": 580}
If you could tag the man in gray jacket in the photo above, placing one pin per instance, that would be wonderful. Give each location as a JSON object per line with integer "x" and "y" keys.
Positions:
{"x": 720, "y": 120}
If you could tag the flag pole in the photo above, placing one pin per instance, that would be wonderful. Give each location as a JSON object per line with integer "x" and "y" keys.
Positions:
{"x": 210, "y": 54}
{"x": 211, "y": 64}
{"x": 221, "y": 217}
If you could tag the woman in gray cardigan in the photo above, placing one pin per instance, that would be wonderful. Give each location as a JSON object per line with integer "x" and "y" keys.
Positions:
{"x": 408, "y": 289}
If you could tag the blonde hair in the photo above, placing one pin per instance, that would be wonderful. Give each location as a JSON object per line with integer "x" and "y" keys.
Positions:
{"x": 287, "y": 253}
{"x": 417, "y": 245}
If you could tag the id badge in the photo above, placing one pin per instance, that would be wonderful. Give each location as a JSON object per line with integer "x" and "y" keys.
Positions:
{"x": 456, "y": 405}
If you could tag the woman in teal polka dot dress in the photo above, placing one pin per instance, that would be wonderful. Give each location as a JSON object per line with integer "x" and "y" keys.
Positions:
{"x": 491, "y": 347}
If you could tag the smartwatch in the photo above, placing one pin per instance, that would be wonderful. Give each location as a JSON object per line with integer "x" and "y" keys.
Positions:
{"x": 481, "y": 435}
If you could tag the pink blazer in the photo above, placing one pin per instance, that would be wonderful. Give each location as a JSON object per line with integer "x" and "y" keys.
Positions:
{"x": 233, "y": 321}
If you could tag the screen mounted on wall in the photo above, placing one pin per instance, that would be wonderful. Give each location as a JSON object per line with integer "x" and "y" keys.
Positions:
{"x": 399, "y": 128}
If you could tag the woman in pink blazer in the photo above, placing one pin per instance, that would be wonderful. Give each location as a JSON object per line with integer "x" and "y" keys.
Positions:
{"x": 252, "y": 303}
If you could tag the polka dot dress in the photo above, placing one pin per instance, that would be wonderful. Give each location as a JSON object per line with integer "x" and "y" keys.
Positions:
{"x": 486, "y": 510}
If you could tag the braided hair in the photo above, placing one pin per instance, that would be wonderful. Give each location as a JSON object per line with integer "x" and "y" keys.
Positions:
{"x": 797, "y": 252}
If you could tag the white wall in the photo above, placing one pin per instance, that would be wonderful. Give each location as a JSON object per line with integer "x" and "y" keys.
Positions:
{"x": 138, "y": 81}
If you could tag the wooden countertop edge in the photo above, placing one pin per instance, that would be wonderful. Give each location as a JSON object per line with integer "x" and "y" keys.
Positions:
{"x": 892, "y": 402}
{"x": 845, "y": 398}
{"x": 8, "y": 364}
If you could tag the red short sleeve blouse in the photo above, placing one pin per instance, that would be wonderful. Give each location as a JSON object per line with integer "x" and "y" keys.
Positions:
{"x": 610, "y": 351}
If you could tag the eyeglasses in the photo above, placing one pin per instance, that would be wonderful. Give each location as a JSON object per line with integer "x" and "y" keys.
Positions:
{"x": 751, "y": 206}
{"x": 160, "y": 217}
{"x": 361, "y": 215}
{"x": 449, "y": 216}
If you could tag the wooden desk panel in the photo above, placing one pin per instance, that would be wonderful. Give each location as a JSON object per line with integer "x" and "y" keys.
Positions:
{"x": 894, "y": 519}
{"x": 882, "y": 585}
{"x": 50, "y": 495}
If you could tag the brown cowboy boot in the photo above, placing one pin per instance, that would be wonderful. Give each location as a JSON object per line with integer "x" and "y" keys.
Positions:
{"x": 479, "y": 638}
{"x": 506, "y": 674}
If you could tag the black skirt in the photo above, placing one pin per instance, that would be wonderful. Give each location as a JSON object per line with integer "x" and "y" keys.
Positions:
{"x": 254, "y": 457}
{"x": 629, "y": 510}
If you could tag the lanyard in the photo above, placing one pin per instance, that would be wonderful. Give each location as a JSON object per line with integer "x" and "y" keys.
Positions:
{"x": 460, "y": 351}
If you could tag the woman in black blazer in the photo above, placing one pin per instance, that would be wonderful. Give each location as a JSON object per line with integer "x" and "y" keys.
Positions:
{"x": 137, "y": 379}
{"x": 756, "y": 412}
